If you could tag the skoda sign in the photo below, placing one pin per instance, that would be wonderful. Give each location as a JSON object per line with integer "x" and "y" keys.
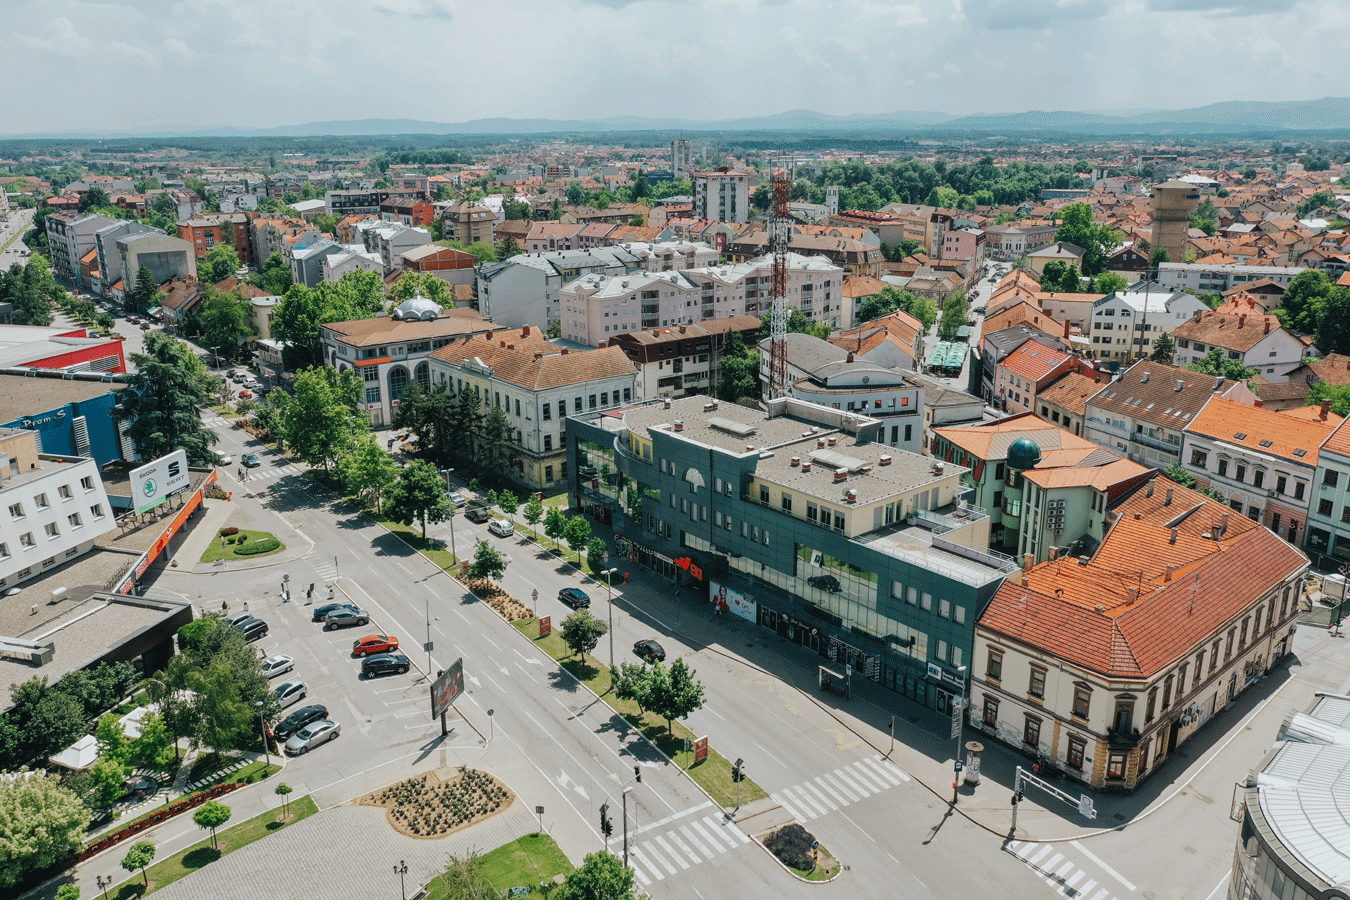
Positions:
{"x": 156, "y": 481}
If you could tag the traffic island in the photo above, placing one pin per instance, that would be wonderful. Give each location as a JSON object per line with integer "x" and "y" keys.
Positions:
{"x": 237, "y": 543}
{"x": 439, "y": 803}
{"x": 798, "y": 851}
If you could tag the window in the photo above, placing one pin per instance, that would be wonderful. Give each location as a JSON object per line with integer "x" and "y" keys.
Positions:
{"x": 1167, "y": 692}
{"x": 1298, "y": 490}
{"x": 1241, "y": 472}
{"x": 1181, "y": 681}
{"x": 1199, "y": 458}
{"x": 1074, "y": 758}
{"x": 764, "y": 495}
{"x": 627, "y": 395}
{"x": 1213, "y": 657}
{"x": 96, "y": 510}
{"x": 786, "y": 502}
{"x": 1329, "y": 477}
{"x": 1324, "y": 507}
{"x": 1228, "y": 645}
{"x": 1223, "y": 468}
{"x": 16, "y": 510}
{"x": 592, "y": 401}
{"x": 1259, "y": 478}
{"x": 548, "y": 412}
{"x": 1149, "y": 706}
{"x": 959, "y": 615}
{"x": 990, "y": 711}
{"x": 944, "y": 608}
{"x": 1242, "y": 636}
{"x": 1036, "y": 687}
{"x": 1082, "y": 700}
{"x": 912, "y": 596}
{"x": 927, "y": 601}
{"x": 1143, "y": 755}
{"x": 4, "y": 551}
{"x": 942, "y": 650}
{"x": 52, "y": 530}
{"x": 548, "y": 473}
{"x": 1115, "y": 765}
{"x": 74, "y": 520}
{"x": 41, "y": 501}
{"x": 548, "y": 442}
{"x": 1280, "y": 483}
{"x": 87, "y": 482}
{"x": 1123, "y": 720}
{"x": 993, "y": 668}
{"x": 1031, "y": 732}
{"x": 64, "y": 491}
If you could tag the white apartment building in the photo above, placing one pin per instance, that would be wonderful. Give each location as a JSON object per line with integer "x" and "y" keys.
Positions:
{"x": 391, "y": 240}
{"x": 52, "y": 508}
{"x": 1126, "y": 323}
{"x": 598, "y": 306}
{"x": 722, "y": 195}
{"x": 1205, "y": 279}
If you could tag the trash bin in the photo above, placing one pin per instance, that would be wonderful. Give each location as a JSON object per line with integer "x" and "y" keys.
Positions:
{"x": 972, "y": 770}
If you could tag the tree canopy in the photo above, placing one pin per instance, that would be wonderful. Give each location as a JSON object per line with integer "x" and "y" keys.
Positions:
{"x": 41, "y": 823}
{"x": 323, "y": 419}
{"x": 1076, "y": 226}
{"x": 161, "y": 404}
{"x": 419, "y": 497}
{"x": 303, "y": 312}
{"x": 1216, "y": 362}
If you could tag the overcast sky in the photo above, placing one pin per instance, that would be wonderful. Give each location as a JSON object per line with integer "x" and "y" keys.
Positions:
{"x": 79, "y": 66}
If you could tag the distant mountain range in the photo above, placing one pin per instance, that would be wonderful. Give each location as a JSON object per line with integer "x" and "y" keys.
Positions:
{"x": 1230, "y": 117}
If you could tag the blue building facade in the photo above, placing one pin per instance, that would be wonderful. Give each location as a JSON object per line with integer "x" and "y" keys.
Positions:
{"x": 76, "y": 427}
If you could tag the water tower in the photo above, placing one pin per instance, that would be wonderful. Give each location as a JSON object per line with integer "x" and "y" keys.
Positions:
{"x": 1173, "y": 204}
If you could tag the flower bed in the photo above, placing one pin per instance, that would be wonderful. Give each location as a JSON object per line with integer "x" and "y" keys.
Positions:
{"x": 159, "y": 815}
{"x": 429, "y": 806}
{"x": 508, "y": 607}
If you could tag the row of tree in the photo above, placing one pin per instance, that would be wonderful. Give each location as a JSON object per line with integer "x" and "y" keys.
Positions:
{"x": 32, "y": 291}
{"x": 45, "y": 719}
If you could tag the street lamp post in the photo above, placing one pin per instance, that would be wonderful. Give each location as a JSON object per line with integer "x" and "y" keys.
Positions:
{"x": 1340, "y": 604}
{"x": 401, "y": 870}
{"x": 625, "y": 825}
{"x": 104, "y": 884}
{"x": 609, "y": 592}
{"x": 960, "y": 725}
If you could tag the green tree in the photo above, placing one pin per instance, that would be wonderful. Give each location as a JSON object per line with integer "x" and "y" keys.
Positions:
{"x": 1304, "y": 300}
{"x": 212, "y": 814}
{"x": 1108, "y": 283}
{"x": 673, "y": 693}
{"x": 482, "y": 251}
{"x": 93, "y": 198}
{"x": 496, "y": 443}
{"x": 1333, "y": 325}
{"x": 884, "y": 302}
{"x": 326, "y": 223}
{"x": 224, "y": 319}
{"x": 1077, "y": 227}
{"x": 595, "y": 554}
{"x": 603, "y": 876}
{"x": 424, "y": 283}
{"x": 577, "y": 534}
{"x": 534, "y": 511}
{"x": 68, "y": 892}
{"x": 955, "y": 313}
{"x": 419, "y": 497}
{"x": 1321, "y": 199}
{"x": 1338, "y": 394}
{"x": 41, "y": 823}
{"x": 555, "y": 524}
{"x": 141, "y": 854}
{"x": 581, "y": 631}
{"x": 509, "y": 503}
{"x": 943, "y": 197}
{"x": 160, "y": 406}
{"x": 323, "y": 420}
{"x": 283, "y": 790}
{"x": 368, "y": 470}
{"x": 429, "y": 415}
{"x": 576, "y": 194}
{"x": 1180, "y": 475}
{"x": 738, "y": 374}
{"x": 507, "y": 247}
{"x": 1216, "y": 362}
{"x": 142, "y": 295}
{"x": 466, "y": 423}
{"x": 488, "y": 561}
{"x": 1163, "y": 349}
{"x": 516, "y": 209}
{"x": 275, "y": 277}
{"x": 153, "y": 747}
{"x": 630, "y": 682}
{"x": 219, "y": 263}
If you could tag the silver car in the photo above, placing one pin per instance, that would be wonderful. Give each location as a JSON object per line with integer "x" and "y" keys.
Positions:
{"x": 277, "y": 665}
{"x": 312, "y": 735}
{"x": 289, "y": 692}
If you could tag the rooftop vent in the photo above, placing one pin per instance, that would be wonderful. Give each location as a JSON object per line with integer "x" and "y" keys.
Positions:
{"x": 1144, "y": 378}
{"x": 840, "y": 474}
{"x": 1168, "y": 501}
{"x": 833, "y": 441}
{"x": 885, "y": 460}
{"x": 796, "y": 461}
{"x": 938, "y": 468}
{"x": 679, "y": 425}
{"x": 709, "y": 407}
{"x": 667, "y": 404}
{"x": 806, "y": 466}
{"x": 852, "y": 495}
{"x": 820, "y": 442}
{"x": 1180, "y": 385}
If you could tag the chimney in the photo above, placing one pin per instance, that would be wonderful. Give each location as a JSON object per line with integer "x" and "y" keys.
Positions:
{"x": 681, "y": 329}
{"x": 840, "y": 474}
{"x": 1066, "y": 330}
{"x": 1131, "y": 595}
{"x": 885, "y": 460}
{"x": 1144, "y": 378}
{"x": 1259, "y": 403}
{"x": 833, "y": 441}
{"x": 937, "y": 468}
{"x": 1026, "y": 582}
{"x": 1148, "y": 491}
{"x": 565, "y": 351}
{"x": 539, "y": 356}
{"x": 1218, "y": 382}
{"x": 667, "y": 402}
{"x": 1027, "y": 560}
{"x": 1168, "y": 501}
{"x": 1242, "y": 320}
{"x": 501, "y": 343}
{"x": 806, "y": 466}
{"x": 1172, "y": 539}
{"x": 1223, "y": 525}
{"x": 602, "y": 345}
{"x": 850, "y": 356}
{"x": 679, "y": 425}
{"x": 749, "y": 447}
{"x": 488, "y": 336}
{"x": 1167, "y": 576}
{"x": 1267, "y": 321}
{"x": 820, "y": 443}
{"x": 1138, "y": 516}
{"x": 1180, "y": 384}
{"x": 525, "y": 332}
{"x": 1326, "y": 408}
{"x": 656, "y": 332}
{"x": 1197, "y": 316}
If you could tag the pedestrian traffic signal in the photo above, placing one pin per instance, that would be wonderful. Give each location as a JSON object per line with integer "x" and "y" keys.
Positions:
{"x": 637, "y": 774}
{"x": 1020, "y": 795}
{"x": 606, "y": 826}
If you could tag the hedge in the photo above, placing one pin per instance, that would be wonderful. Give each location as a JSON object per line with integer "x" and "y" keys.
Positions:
{"x": 227, "y": 532}
{"x": 159, "y": 815}
{"x": 264, "y": 546}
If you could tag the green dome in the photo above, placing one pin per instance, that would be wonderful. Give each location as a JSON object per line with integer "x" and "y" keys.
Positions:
{"x": 1023, "y": 454}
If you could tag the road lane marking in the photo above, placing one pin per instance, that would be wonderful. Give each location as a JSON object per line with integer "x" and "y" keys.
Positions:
{"x": 857, "y": 826}
{"x": 684, "y": 812}
{"x": 1105, "y": 868}
{"x": 838, "y": 782}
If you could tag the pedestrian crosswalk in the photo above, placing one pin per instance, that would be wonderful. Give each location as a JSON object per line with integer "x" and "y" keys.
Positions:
{"x": 845, "y": 785}
{"x": 1058, "y": 871}
{"x": 325, "y": 567}
{"x": 679, "y": 843}
{"x": 264, "y": 474}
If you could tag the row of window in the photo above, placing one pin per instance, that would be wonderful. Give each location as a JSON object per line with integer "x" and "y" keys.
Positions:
{"x": 1200, "y": 460}
{"x": 924, "y": 600}
{"x": 52, "y": 530}
{"x": 65, "y": 492}
{"x": 47, "y": 563}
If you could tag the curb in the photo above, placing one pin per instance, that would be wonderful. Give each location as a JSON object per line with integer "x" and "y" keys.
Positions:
{"x": 784, "y": 866}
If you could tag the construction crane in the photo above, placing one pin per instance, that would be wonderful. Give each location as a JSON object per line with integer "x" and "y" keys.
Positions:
{"x": 780, "y": 232}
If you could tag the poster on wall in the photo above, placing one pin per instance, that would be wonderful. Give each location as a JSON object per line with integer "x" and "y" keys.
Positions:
{"x": 732, "y": 601}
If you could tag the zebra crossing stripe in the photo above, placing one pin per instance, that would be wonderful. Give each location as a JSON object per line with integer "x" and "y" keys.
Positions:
{"x": 1087, "y": 886}
{"x": 871, "y": 777}
{"x": 651, "y": 851}
{"x": 806, "y": 801}
{"x": 731, "y": 841}
{"x": 839, "y": 783}
{"x": 1100, "y": 895}
{"x": 1077, "y": 877}
{"x": 712, "y": 841}
{"x": 826, "y": 800}
{"x": 638, "y": 856}
{"x": 889, "y": 770}
{"x": 861, "y": 787}
{"x": 781, "y": 798}
{"x": 696, "y": 842}
{"x": 671, "y": 851}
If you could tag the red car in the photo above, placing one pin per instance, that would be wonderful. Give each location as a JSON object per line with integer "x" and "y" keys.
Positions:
{"x": 374, "y": 643}
{"x": 245, "y": 394}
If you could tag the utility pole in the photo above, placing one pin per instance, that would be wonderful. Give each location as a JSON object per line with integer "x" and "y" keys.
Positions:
{"x": 609, "y": 591}
{"x": 625, "y": 824}
{"x": 958, "y": 722}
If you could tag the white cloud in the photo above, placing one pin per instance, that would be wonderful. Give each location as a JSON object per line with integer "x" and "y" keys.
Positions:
{"x": 63, "y": 39}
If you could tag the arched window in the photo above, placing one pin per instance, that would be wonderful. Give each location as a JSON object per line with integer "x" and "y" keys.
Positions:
{"x": 398, "y": 382}
{"x": 423, "y": 375}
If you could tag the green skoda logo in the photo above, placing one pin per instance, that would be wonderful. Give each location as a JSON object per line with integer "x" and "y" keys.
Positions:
{"x": 149, "y": 487}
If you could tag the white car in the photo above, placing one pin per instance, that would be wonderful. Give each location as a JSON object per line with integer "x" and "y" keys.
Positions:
{"x": 277, "y": 665}
{"x": 458, "y": 499}
{"x": 223, "y": 459}
{"x": 289, "y": 692}
{"x": 502, "y": 528}
{"x": 312, "y": 735}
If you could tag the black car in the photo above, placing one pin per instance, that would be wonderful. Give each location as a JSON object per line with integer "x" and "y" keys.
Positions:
{"x": 383, "y": 664}
{"x": 574, "y": 597}
{"x": 253, "y": 629}
{"x": 478, "y": 514}
{"x": 825, "y": 583}
{"x": 650, "y": 651}
{"x": 299, "y": 719}
{"x": 322, "y": 612}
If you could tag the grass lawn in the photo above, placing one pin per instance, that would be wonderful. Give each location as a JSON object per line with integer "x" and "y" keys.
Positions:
{"x": 433, "y": 549}
{"x": 162, "y": 874}
{"x": 713, "y": 774}
{"x": 225, "y": 411}
{"x": 214, "y": 552}
{"x": 822, "y": 872}
{"x": 524, "y": 862}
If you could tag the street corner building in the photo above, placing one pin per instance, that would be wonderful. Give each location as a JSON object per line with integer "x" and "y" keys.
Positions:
{"x": 1103, "y": 665}
{"x": 802, "y": 521}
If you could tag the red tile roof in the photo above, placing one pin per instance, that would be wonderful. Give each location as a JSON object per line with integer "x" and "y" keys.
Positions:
{"x": 1261, "y": 430}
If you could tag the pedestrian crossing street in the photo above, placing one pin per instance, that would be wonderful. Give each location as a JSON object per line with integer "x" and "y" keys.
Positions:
{"x": 832, "y": 790}
{"x": 680, "y": 846}
{"x": 1061, "y": 873}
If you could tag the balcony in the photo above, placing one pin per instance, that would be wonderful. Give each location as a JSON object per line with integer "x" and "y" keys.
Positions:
{"x": 1147, "y": 440}
{"x": 1122, "y": 739}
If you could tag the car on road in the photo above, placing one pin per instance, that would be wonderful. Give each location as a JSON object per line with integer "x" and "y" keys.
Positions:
{"x": 825, "y": 583}
{"x": 312, "y": 735}
{"x": 343, "y": 618}
{"x": 979, "y": 310}
{"x": 322, "y": 612}
{"x": 458, "y": 499}
{"x": 478, "y": 514}
{"x": 383, "y": 664}
{"x": 289, "y": 692}
{"x": 132, "y": 320}
{"x": 374, "y": 643}
{"x": 650, "y": 651}
{"x": 502, "y": 528}
{"x": 245, "y": 394}
{"x": 277, "y": 665}
{"x": 574, "y": 597}
{"x": 252, "y": 629}
{"x": 223, "y": 458}
{"x": 250, "y": 460}
{"x": 299, "y": 719}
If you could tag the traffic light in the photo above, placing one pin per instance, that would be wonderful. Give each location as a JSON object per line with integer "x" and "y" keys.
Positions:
{"x": 1021, "y": 793}
{"x": 737, "y": 773}
{"x": 606, "y": 826}
{"x": 637, "y": 774}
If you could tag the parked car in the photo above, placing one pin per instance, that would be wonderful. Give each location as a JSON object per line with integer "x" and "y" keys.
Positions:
{"x": 383, "y": 664}
{"x": 237, "y": 377}
{"x": 343, "y": 618}
{"x": 312, "y": 735}
{"x": 289, "y": 692}
{"x": 825, "y": 583}
{"x": 574, "y": 597}
{"x": 252, "y": 629}
{"x": 374, "y": 643}
{"x": 245, "y": 394}
{"x": 277, "y": 665}
{"x": 458, "y": 499}
{"x": 478, "y": 514}
{"x": 250, "y": 460}
{"x": 235, "y": 619}
{"x": 502, "y": 528}
{"x": 586, "y": 470}
{"x": 649, "y": 651}
{"x": 299, "y": 719}
{"x": 322, "y": 612}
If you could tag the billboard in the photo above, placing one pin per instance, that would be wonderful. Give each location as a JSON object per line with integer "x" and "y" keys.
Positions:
{"x": 447, "y": 688}
{"x": 728, "y": 600}
{"x": 155, "y": 482}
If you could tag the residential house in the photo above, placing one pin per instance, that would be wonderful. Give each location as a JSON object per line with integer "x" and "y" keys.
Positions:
{"x": 721, "y": 195}
{"x": 995, "y": 345}
{"x": 1027, "y": 370}
{"x": 850, "y": 254}
{"x": 471, "y": 223}
{"x": 412, "y": 212}
{"x": 545, "y": 237}
{"x": 1126, "y": 324}
{"x": 1215, "y": 279}
{"x": 1292, "y": 393}
{"x": 352, "y": 203}
{"x": 391, "y": 240}
{"x": 309, "y": 264}
{"x": 1064, "y": 403}
{"x": 1062, "y": 251}
{"x": 1263, "y": 293}
{"x": 895, "y": 341}
{"x": 526, "y": 289}
{"x": 70, "y": 235}
{"x": 1259, "y": 342}
{"x": 1327, "y": 536}
{"x": 682, "y": 360}
{"x": 205, "y": 231}
{"x": 165, "y": 257}
{"x": 1143, "y": 411}
{"x": 446, "y": 263}
{"x": 109, "y": 257}
{"x": 353, "y": 258}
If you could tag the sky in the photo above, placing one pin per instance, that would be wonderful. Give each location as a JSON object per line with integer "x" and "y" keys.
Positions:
{"x": 195, "y": 64}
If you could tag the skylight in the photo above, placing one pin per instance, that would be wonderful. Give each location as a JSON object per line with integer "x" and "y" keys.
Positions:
{"x": 1267, "y": 442}
{"x": 1300, "y": 453}
{"x": 1240, "y": 436}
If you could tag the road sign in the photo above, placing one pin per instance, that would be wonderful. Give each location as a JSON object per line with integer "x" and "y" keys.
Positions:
{"x": 447, "y": 688}
{"x": 535, "y": 595}
{"x": 604, "y": 557}
{"x": 959, "y": 765}
{"x": 956, "y": 722}
{"x": 815, "y": 845}
{"x": 1085, "y": 807}
{"x": 428, "y": 646}
{"x": 545, "y": 626}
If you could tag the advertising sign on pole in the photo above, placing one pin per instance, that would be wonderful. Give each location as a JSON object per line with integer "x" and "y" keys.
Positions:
{"x": 700, "y": 750}
{"x": 156, "y": 481}
{"x": 545, "y": 626}
{"x": 447, "y": 688}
